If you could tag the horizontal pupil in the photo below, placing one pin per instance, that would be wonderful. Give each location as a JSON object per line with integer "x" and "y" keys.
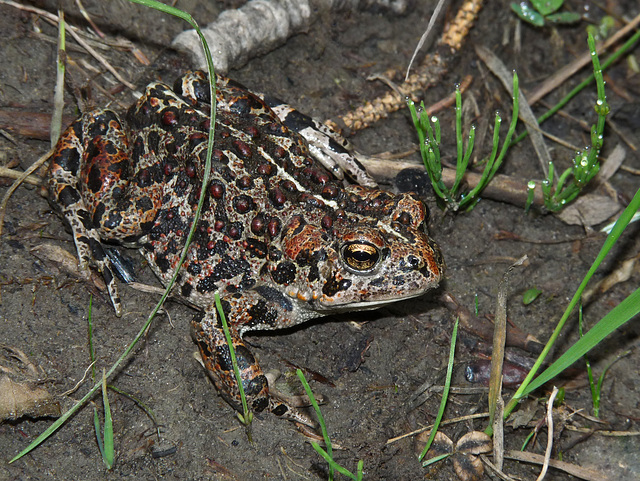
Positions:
{"x": 361, "y": 256}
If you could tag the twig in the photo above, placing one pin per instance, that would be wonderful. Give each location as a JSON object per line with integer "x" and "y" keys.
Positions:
{"x": 569, "y": 70}
{"x": 526, "y": 114}
{"x": 84, "y": 376}
{"x": 432, "y": 69}
{"x": 547, "y": 454}
{"x": 14, "y": 174}
{"x": 578, "y": 471}
{"x": 443, "y": 423}
{"x": 74, "y": 33}
{"x": 16, "y": 184}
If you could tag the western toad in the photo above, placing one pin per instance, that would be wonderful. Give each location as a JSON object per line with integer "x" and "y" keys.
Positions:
{"x": 279, "y": 238}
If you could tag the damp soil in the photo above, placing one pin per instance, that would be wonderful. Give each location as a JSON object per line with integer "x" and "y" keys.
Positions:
{"x": 371, "y": 363}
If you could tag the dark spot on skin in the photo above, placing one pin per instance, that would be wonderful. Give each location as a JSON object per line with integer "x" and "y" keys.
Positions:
{"x": 426, "y": 273}
{"x": 256, "y": 248}
{"x": 206, "y": 284}
{"x": 285, "y": 273}
{"x": 186, "y": 289}
{"x": 273, "y": 227}
{"x": 223, "y": 358}
{"x": 274, "y": 254}
{"x": 333, "y": 286}
{"x": 146, "y": 226}
{"x": 94, "y": 179}
{"x": 245, "y": 359}
{"x": 243, "y": 204}
{"x": 153, "y": 139}
{"x": 97, "y": 214}
{"x": 144, "y": 178}
{"x": 258, "y": 224}
{"x": 260, "y": 404}
{"x": 96, "y": 250}
{"x": 228, "y": 268}
{"x": 85, "y": 218}
{"x": 170, "y": 118}
{"x": 297, "y": 121}
{"x": 113, "y": 220}
{"x": 280, "y": 410}
{"x": 194, "y": 268}
{"x": 262, "y": 313}
{"x": 409, "y": 263}
{"x": 242, "y": 149}
{"x": 247, "y": 282}
{"x": 314, "y": 273}
{"x": 68, "y": 159}
{"x": 274, "y": 296}
{"x": 277, "y": 197}
{"x": 144, "y": 204}
{"x": 68, "y": 196}
{"x": 162, "y": 263}
{"x": 107, "y": 276}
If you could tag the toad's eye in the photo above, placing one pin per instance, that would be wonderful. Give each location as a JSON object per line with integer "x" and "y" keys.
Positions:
{"x": 360, "y": 257}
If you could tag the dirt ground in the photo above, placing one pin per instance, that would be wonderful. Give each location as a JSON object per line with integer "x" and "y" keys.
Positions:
{"x": 375, "y": 363}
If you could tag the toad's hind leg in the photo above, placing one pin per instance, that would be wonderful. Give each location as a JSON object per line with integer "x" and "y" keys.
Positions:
{"x": 209, "y": 335}
{"x": 89, "y": 180}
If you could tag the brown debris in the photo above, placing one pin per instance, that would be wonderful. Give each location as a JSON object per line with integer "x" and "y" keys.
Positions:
{"x": 20, "y": 394}
{"x": 433, "y": 68}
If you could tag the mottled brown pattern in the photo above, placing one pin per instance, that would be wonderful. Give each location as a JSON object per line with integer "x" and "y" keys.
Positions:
{"x": 280, "y": 238}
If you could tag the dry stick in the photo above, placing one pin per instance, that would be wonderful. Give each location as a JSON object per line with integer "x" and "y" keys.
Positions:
{"x": 613, "y": 434}
{"x": 503, "y": 187}
{"x": 572, "y": 469}
{"x": 58, "y": 93}
{"x": 492, "y": 467}
{"x": 497, "y": 361}
{"x": 432, "y": 69}
{"x": 526, "y": 114}
{"x": 547, "y": 454}
{"x": 569, "y": 70}
{"x": 14, "y": 174}
{"x": 16, "y": 184}
{"x": 86, "y": 16}
{"x": 498, "y": 433}
{"x": 74, "y": 33}
{"x": 443, "y": 423}
{"x": 260, "y": 27}
{"x": 425, "y": 35}
{"x": 26, "y": 123}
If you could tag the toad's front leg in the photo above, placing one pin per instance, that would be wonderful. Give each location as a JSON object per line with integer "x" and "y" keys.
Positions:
{"x": 209, "y": 335}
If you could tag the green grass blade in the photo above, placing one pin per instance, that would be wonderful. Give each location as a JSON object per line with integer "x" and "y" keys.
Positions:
{"x": 247, "y": 416}
{"x": 96, "y": 426}
{"x": 108, "y": 454}
{"x": 445, "y": 392}
{"x": 618, "y": 316}
{"x": 147, "y": 410}
{"x": 610, "y": 241}
{"x": 333, "y": 465}
{"x": 610, "y": 60}
{"x": 165, "y": 8}
{"x": 323, "y": 426}
{"x": 435, "y": 459}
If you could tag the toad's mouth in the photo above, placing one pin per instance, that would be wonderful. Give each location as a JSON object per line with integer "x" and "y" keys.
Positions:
{"x": 344, "y": 305}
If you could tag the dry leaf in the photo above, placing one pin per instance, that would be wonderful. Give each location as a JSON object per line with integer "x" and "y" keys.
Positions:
{"x": 589, "y": 210}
